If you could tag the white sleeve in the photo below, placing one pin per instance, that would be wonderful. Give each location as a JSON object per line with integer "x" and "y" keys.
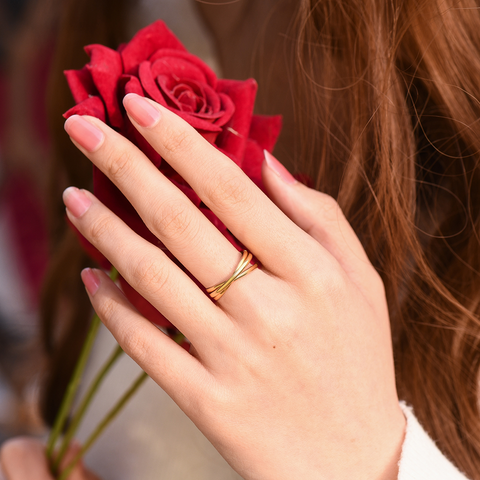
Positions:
{"x": 421, "y": 459}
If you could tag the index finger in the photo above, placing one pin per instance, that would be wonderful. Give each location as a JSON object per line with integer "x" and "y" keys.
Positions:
{"x": 247, "y": 212}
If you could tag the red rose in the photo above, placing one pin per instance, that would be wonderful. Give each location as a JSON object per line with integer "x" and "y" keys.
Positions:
{"x": 155, "y": 64}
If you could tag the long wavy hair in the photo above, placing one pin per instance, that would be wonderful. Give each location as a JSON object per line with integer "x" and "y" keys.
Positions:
{"x": 387, "y": 111}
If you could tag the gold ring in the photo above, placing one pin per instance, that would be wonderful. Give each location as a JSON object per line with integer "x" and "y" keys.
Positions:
{"x": 242, "y": 269}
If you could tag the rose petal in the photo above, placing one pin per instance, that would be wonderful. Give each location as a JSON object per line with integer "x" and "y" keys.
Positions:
{"x": 165, "y": 85}
{"x": 228, "y": 109}
{"x": 131, "y": 84}
{"x": 92, "y": 106}
{"x": 210, "y": 137}
{"x": 189, "y": 101}
{"x": 80, "y": 83}
{"x": 179, "y": 68}
{"x": 265, "y": 130}
{"x": 213, "y": 99}
{"x": 148, "y": 83}
{"x": 146, "y": 42}
{"x": 106, "y": 69}
{"x": 168, "y": 91}
{"x": 195, "y": 121}
{"x": 235, "y": 133}
{"x": 176, "y": 55}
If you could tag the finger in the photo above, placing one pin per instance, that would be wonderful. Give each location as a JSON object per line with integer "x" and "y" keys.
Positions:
{"x": 181, "y": 375}
{"x": 222, "y": 186}
{"x": 321, "y": 217}
{"x": 146, "y": 268}
{"x": 79, "y": 472}
{"x": 24, "y": 458}
{"x": 166, "y": 211}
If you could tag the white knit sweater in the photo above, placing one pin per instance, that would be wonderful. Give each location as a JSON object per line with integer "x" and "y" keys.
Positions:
{"x": 421, "y": 459}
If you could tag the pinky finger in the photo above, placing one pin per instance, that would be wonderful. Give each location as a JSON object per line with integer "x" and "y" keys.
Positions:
{"x": 180, "y": 374}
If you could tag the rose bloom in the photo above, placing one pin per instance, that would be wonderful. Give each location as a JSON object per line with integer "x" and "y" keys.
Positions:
{"x": 156, "y": 65}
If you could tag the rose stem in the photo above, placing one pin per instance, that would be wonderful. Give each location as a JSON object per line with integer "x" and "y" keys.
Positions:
{"x": 104, "y": 423}
{"x": 85, "y": 403}
{"x": 75, "y": 380}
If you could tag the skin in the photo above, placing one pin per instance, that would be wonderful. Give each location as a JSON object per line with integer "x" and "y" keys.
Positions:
{"x": 22, "y": 456}
{"x": 291, "y": 371}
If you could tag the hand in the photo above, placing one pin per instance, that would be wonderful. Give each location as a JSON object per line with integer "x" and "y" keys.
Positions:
{"x": 24, "y": 458}
{"x": 291, "y": 372}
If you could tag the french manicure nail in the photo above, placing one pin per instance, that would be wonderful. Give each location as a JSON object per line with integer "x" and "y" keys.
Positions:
{"x": 141, "y": 110}
{"x": 76, "y": 201}
{"x": 91, "y": 280}
{"x": 84, "y": 133}
{"x": 278, "y": 168}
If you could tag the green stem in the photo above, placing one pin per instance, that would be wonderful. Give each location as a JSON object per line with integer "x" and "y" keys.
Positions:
{"x": 85, "y": 403}
{"x": 104, "y": 424}
{"x": 75, "y": 380}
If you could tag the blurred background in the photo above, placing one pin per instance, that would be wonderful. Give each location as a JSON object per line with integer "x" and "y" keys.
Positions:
{"x": 27, "y": 45}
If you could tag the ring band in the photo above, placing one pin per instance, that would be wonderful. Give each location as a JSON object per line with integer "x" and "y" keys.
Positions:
{"x": 217, "y": 291}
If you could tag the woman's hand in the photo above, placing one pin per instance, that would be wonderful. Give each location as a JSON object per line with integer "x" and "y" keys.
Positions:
{"x": 291, "y": 371}
{"x": 24, "y": 458}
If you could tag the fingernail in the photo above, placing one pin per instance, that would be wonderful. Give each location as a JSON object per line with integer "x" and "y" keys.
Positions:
{"x": 76, "y": 201}
{"x": 141, "y": 110}
{"x": 278, "y": 168}
{"x": 84, "y": 133}
{"x": 91, "y": 280}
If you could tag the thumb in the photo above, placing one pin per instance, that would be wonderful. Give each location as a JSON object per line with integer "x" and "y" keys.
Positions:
{"x": 321, "y": 217}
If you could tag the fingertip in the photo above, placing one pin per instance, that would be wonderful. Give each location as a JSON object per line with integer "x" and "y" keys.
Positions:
{"x": 91, "y": 279}
{"x": 273, "y": 165}
{"x": 89, "y": 136}
{"x": 143, "y": 112}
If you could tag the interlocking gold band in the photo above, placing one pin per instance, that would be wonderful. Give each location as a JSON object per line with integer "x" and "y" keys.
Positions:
{"x": 242, "y": 269}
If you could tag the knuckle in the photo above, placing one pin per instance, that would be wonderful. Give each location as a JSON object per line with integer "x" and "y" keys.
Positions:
{"x": 119, "y": 166}
{"x": 106, "y": 309}
{"x": 134, "y": 344}
{"x": 149, "y": 275}
{"x": 217, "y": 399}
{"x": 177, "y": 142}
{"x": 99, "y": 228}
{"x": 174, "y": 220}
{"x": 329, "y": 204}
{"x": 327, "y": 208}
{"x": 230, "y": 189}
{"x": 328, "y": 282}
